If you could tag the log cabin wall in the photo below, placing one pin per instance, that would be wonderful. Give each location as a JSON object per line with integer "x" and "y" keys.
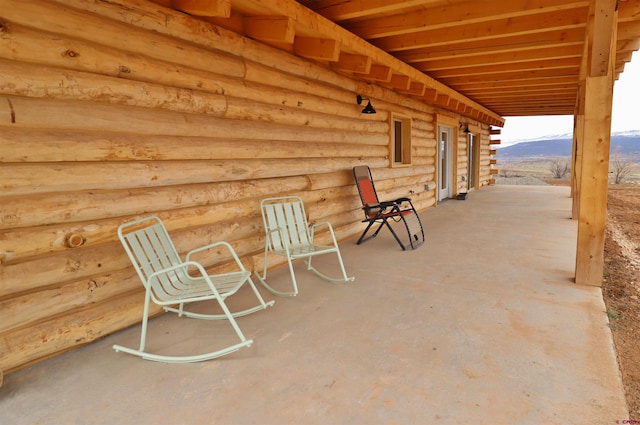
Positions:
{"x": 487, "y": 171}
{"x": 108, "y": 113}
{"x": 462, "y": 162}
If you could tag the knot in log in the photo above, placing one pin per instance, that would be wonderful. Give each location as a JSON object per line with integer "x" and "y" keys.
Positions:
{"x": 74, "y": 240}
{"x": 71, "y": 53}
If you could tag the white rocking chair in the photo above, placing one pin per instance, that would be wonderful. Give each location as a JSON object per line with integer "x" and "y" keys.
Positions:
{"x": 289, "y": 235}
{"x": 169, "y": 281}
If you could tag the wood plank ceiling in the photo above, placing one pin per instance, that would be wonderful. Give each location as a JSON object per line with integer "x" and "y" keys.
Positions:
{"x": 486, "y": 59}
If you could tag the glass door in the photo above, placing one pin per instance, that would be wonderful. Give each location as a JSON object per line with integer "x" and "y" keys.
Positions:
{"x": 473, "y": 161}
{"x": 445, "y": 143}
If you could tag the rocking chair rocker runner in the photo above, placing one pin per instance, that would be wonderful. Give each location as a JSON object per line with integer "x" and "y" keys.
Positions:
{"x": 289, "y": 235}
{"x": 169, "y": 281}
{"x": 398, "y": 210}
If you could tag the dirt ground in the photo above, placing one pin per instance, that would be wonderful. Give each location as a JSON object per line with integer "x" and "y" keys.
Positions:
{"x": 621, "y": 286}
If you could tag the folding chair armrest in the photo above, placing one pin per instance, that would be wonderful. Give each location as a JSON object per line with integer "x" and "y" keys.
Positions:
{"x": 387, "y": 204}
{"x": 399, "y": 200}
{"x": 214, "y": 245}
{"x": 375, "y": 208}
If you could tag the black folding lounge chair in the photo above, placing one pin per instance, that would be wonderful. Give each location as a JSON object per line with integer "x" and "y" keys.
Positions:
{"x": 399, "y": 210}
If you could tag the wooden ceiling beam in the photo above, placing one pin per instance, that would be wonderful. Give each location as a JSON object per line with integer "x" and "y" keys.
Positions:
{"x": 234, "y": 23}
{"x": 430, "y": 95}
{"x": 484, "y": 96}
{"x": 400, "y": 82}
{"x": 353, "y": 63}
{"x": 339, "y": 11}
{"x": 630, "y": 45}
{"x": 317, "y": 48}
{"x": 503, "y": 73}
{"x": 622, "y": 58}
{"x": 629, "y": 30}
{"x": 456, "y": 15}
{"x": 537, "y": 112}
{"x": 493, "y": 93}
{"x": 544, "y": 22}
{"x": 415, "y": 89}
{"x": 547, "y": 99}
{"x": 485, "y": 48}
{"x": 378, "y": 73}
{"x": 541, "y": 100}
{"x": 514, "y": 76}
{"x": 530, "y": 103}
{"x": 213, "y": 8}
{"x": 518, "y": 83}
{"x": 572, "y": 64}
{"x": 277, "y": 29}
{"x": 443, "y": 100}
{"x": 628, "y": 10}
{"x": 561, "y": 103}
{"x": 523, "y": 56}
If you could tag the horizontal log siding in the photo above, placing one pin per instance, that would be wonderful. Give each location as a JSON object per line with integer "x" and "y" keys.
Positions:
{"x": 462, "y": 163}
{"x": 485, "y": 158}
{"x": 153, "y": 112}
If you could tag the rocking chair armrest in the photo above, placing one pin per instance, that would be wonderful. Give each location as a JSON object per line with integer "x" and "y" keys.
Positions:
{"x": 184, "y": 265}
{"x": 279, "y": 230}
{"x": 322, "y": 223}
{"x": 213, "y": 245}
{"x": 328, "y": 225}
{"x": 282, "y": 233}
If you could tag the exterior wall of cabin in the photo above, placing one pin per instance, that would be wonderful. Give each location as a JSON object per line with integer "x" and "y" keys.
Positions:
{"x": 108, "y": 113}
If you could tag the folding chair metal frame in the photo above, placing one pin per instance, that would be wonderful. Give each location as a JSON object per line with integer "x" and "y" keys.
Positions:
{"x": 376, "y": 212}
{"x": 288, "y": 234}
{"x": 171, "y": 282}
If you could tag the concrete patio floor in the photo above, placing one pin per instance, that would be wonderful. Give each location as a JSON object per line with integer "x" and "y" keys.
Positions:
{"x": 481, "y": 325}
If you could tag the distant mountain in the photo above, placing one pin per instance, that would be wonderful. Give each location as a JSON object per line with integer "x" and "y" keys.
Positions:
{"x": 628, "y": 143}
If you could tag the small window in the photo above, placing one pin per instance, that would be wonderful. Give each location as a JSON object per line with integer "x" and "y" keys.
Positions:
{"x": 400, "y": 140}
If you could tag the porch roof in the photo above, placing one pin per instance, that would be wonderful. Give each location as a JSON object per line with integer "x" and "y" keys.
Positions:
{"x": 482, "y": 58}
{"x": 481, "y": 324}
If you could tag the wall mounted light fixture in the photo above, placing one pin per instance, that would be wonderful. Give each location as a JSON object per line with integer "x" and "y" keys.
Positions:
{"x": 367, "y": 109}
{"x": 465, "y": 127}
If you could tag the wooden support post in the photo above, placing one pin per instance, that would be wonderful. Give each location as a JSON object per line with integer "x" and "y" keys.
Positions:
{"x": 576, "y": 167}
{"x": 594, "y": 180}
{"x": 595, "y": 146}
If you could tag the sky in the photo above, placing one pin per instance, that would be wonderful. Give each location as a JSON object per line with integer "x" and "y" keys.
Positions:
{"x": 626, "y": 112}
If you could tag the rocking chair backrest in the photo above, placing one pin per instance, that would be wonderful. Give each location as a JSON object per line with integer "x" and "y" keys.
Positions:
{"x": 150, "y": 249}
{"x": 288, "y": 215}
{"x": 364, "y": 182}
